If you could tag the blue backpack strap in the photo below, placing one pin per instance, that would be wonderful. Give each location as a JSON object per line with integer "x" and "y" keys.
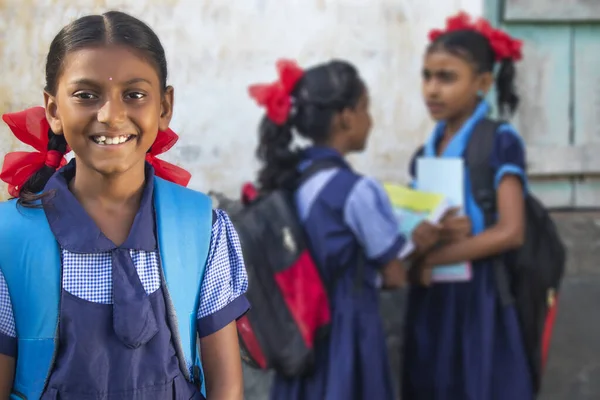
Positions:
{"x": 31, "y": 265}
{"x": 184, "y": 224}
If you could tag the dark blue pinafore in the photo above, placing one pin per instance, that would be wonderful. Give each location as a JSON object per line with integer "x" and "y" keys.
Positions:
{"x": 461, "y": 342}
{"x": 119, "y": 351}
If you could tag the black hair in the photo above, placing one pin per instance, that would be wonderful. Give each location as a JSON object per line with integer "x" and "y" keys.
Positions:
{"x": 322, "y": 92}
{"x": 113, "y": 27}
{"x": 476, "y": 49}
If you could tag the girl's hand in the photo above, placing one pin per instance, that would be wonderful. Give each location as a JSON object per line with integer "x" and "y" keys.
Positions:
{"x": 425, "y": 236}
{"x": 454, "y": 227}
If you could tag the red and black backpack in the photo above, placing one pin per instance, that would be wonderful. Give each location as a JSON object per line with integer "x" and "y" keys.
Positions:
{"x": 290, "y": 301}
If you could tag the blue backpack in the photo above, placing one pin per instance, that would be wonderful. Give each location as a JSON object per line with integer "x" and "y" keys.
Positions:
{"x": 31, "y": 263}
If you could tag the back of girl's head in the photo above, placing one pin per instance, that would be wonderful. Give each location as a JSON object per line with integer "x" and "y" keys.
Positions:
{"x": 321, "y": 92}
{"x": 476, "y": 48}
{"x": 111, "y": 28}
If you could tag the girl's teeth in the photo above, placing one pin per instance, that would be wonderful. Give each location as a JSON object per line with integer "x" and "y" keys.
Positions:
{"x": 107, "y": 141}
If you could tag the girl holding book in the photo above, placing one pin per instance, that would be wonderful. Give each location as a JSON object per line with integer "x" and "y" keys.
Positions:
{"x": 461, "y": 342}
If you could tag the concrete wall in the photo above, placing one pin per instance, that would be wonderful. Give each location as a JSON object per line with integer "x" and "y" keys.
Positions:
{"x": 216, "y": 48}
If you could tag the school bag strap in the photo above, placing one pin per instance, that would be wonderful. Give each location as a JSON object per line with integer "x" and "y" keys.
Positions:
{"x": 183, "y": 223}
{"x": 316, "y": 167}
{"x": 28, "y": 253}
{"x": 481, "y": 175}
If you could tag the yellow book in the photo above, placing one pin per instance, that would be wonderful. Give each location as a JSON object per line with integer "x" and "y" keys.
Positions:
{"x": 412, "y": 207}
{"x": 434, "y": 205}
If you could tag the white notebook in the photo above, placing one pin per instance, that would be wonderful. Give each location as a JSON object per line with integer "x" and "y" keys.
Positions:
{"x": 445, "y": 176}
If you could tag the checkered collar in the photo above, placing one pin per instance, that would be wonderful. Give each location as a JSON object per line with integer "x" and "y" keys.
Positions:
{"x": 75, "y": 230}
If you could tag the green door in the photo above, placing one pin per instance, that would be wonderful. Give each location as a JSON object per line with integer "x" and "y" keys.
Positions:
{"x": 559, "y": 84}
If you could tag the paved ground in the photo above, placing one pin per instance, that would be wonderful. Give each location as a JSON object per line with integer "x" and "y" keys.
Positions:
{"x": 574, "y": 366}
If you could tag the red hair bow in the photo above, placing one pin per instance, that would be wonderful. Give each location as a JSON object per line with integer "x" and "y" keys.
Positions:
{"x": 276, "y": 96}
{"x": 504, "y": 46}
{"x": 163, "y": 169}
{"x": 30, "y": 127}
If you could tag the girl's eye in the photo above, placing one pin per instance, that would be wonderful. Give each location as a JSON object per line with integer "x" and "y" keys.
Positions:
{"x": 446, "y": 76}
{"x": 135, "y": 95}
{"x": 85, "y": 95}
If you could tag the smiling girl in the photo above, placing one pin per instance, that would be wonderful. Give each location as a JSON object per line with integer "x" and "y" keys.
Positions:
{"x": 116, "y": 296}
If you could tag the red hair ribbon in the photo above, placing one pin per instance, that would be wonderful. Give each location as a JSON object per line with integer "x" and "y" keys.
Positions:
{"x": 249, "y": 193}
{"x": 163, "y": 169}
{"x": 276, "y": 97}
{"x": 504, "y": 46}
{"x": 30, "y": 127}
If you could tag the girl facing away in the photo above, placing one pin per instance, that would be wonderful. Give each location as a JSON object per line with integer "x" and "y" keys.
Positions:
{"x": 124, "y": 290}
{"x": 462, "y": 342}
{"x": 349, "y": 222}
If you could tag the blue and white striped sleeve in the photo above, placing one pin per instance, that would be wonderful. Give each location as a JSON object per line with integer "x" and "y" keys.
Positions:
{"x": 369, "y": 214}
{"x": 222, "y": 298}
{"x": 8, "y": 332}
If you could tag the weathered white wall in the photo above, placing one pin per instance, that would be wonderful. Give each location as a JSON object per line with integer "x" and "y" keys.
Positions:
{"x": 217, "y": 47}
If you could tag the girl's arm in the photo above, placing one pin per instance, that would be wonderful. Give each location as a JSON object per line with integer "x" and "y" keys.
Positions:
{"x": 507, "y": 234}
{"x": 222, "y": 364}
{"x": 222, "y": 302}
{"x": 508, "y": 160}
{"x": 7, "y": 375}
{"x": 369, "y": 215}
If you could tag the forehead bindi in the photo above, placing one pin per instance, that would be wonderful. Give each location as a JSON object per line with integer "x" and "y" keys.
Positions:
{"x": 108, "y": 65}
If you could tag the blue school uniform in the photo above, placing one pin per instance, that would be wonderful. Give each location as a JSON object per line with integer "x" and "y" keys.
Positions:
{"x": 347, "y": 218}
{"x": 114, "y": 338}
{"x": 461, "y": 342}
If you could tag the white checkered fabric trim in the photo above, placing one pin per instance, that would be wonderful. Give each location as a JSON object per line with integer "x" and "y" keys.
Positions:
{"x": 89, "y": 276}
{"x": 7, "y": 321}
{"x": 225, "y": 277}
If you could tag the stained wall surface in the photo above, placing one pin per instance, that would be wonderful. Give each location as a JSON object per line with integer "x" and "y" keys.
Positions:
{"x": 216, "y": 48}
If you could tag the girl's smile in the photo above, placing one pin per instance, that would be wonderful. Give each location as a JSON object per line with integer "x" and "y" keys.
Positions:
{"x": 112, "y": 141}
